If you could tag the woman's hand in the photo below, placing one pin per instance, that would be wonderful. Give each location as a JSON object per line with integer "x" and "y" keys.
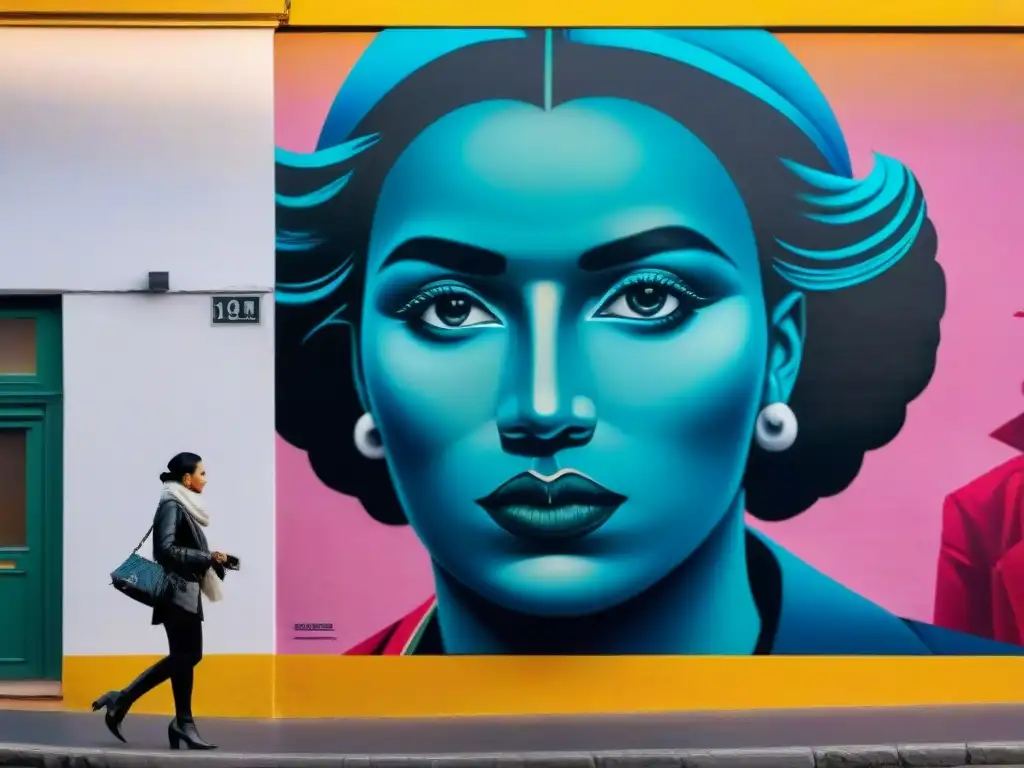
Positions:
{"x": 219, "y": 558}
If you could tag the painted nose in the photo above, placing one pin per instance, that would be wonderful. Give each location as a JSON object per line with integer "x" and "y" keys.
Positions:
{"x": 528, "y": 432}
{"x": 543, "y": 411}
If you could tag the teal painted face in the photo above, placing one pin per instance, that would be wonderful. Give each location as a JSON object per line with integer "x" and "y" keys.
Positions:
{"x": 564, "y": 346}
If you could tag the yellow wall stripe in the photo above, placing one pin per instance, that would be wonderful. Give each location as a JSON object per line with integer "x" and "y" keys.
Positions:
{"x": 373, "y": 13}
{"x": 146, "y": 7}
{"x": 340, "y": 686}
{"x": 226, "y": 685}
{"x": 205, "y": 13}
{"x": 756, "y": 13}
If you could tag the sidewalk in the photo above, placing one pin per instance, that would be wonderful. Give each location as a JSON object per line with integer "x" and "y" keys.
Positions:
{"x": 83, "y": 735}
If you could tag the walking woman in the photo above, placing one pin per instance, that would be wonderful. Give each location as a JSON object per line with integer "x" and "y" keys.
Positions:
{"x": 180, "y": 547}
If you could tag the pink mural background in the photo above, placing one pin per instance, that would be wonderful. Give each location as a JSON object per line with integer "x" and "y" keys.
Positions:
{"x": 942, "y": 104}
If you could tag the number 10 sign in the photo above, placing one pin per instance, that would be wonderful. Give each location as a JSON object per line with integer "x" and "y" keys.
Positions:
{"x": 235, "y": 310}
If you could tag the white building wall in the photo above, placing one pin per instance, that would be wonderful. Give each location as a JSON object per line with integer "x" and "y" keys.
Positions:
{"x": 131, "y": 150}
{"x": 125, "y": 151}
{"x": 147, "y": 377}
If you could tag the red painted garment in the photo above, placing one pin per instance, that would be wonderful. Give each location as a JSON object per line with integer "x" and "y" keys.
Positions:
{"x": 980, "y": 586}
{"x": 400, "y": 638}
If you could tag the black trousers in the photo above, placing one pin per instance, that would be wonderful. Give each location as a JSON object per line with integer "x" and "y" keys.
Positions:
{"x": 185, "y": 650}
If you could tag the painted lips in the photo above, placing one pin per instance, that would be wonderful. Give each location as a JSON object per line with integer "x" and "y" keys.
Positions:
{"x": 566, "y": 505}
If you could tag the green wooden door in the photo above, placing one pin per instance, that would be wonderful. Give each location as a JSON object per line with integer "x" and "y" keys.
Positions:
{"x": 22, "y": 525}
{"x": 31, "y": 457}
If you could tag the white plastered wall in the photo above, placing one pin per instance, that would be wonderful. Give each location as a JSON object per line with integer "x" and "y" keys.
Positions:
{"x": 124, "y": 151}
{"x": 147, "y": 377}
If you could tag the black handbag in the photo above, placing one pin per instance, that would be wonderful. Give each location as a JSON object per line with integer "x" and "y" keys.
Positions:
{"x": 143, "y": 580}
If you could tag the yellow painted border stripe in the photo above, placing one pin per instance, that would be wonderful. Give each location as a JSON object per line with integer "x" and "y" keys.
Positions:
{"x": 226, "y": 685}
{"x": 145, "y": 13}
{"x": 467, "y": 13}
{"x": 753, "y": 13}
{"x": 340, "y": 686}
{"x": 137, "y": 21}
{"x": 146, "y": 7}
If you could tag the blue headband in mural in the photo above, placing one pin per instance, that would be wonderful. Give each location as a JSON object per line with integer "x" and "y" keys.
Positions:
{"x": 752, "y": 60}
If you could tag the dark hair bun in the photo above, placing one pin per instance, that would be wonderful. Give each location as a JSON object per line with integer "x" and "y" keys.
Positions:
{"x": 180, "y": 465}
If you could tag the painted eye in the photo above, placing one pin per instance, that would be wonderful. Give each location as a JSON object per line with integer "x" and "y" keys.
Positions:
{"x": 642, "y": 302}
{"x": 457, "y": 310}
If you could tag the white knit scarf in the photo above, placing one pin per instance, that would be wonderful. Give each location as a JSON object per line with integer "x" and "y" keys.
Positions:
{"x": 192, "y": 503}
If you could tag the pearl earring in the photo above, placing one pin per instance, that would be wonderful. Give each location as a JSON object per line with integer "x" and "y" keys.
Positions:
{"x": 367, "y": 438}
{"x": 776, "y": 428}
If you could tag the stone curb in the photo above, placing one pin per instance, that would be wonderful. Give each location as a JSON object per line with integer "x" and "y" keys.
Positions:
{"x": 871, "y": 756}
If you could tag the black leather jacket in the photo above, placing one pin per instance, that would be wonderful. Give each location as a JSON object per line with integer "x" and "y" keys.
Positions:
{"x": 180, "y": 547}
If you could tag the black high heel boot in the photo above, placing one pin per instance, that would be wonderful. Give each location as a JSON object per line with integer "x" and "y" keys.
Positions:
{"x": 114, "y": 704}
{"x": 184, "y": 729}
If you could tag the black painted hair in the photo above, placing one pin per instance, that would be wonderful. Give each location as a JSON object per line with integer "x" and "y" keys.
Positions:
{"x": 870, "y": 349}
{"x": 182, "y": 464}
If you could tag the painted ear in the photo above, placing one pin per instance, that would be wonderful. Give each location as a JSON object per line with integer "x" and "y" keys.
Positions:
{"x": 785, "y": 347}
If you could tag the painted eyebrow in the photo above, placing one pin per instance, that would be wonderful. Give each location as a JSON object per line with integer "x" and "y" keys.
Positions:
{"x": 645, "y": 244}
{"x": 448, "y": 254}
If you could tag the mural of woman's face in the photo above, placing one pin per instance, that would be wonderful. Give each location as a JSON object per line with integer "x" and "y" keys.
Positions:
{"x": 564, "y": 346}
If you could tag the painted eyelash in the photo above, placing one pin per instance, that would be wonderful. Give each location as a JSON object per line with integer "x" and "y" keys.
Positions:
{"x": 429, "y": 294}
{"x": 657, "y": 279}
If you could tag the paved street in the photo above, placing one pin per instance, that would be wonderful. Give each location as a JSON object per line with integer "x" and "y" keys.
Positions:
{"x": 678, "y": 731}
